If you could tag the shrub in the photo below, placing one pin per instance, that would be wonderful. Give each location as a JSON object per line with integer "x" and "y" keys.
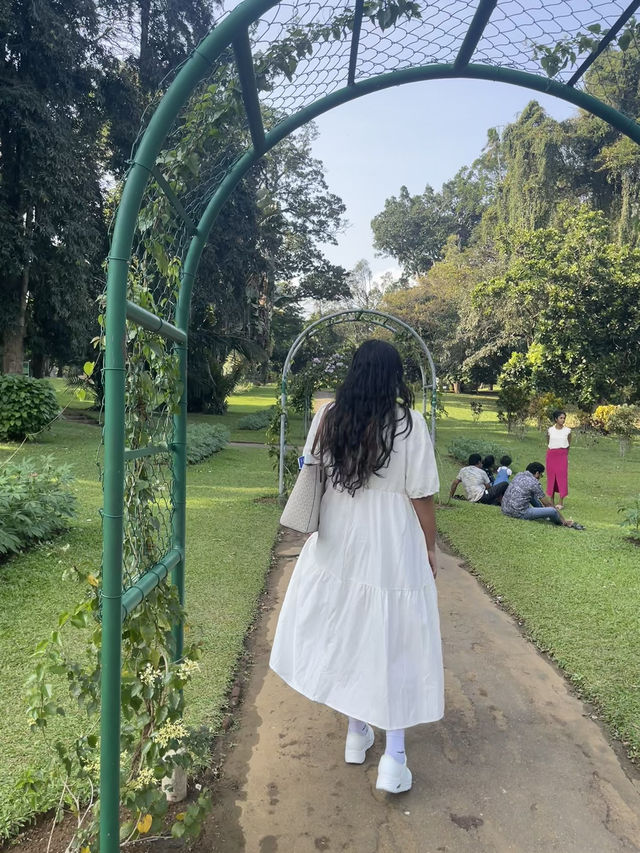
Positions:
{"x": 256, "y": 420}
{"x": 26, "y": 406}
{"x": 205, "y": 439}
{"x": 584, "y": 429}
{"x": 476, "y": 410}
{"x": 601, "y": 417}
{"x": 541, "y": 407}
{"x": 35, "y": 503}
{"x": 462, "y": 447}
{"x": 631, "y": 515}
{"x": 208, "y": 386}
{"x": 513, "y": 405}
{"x": 623, "y": 422}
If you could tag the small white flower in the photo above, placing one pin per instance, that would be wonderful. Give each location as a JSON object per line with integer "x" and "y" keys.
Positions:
{"x": 144, "y": 779}
{"x": 172, "y": 730}
{"x": 149, "y": 675}
{"x": 187, "y": 669}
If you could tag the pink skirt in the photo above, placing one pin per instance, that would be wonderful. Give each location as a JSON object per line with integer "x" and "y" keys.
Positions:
{"x": 557, "y": 471}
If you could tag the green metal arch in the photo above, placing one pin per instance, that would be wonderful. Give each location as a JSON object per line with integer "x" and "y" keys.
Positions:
{"x": 233, "y": 30}
{"x": 375, "y": 84}
{"x": 355, "y": 315}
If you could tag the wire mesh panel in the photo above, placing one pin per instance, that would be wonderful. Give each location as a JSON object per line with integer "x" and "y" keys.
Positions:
{"x": 301, "y": 53}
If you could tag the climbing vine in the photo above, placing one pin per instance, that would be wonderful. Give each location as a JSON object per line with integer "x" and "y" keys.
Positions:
{"x": 154, "y": 738}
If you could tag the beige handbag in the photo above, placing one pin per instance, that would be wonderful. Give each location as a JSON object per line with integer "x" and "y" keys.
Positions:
{"x": 302, "y": 510}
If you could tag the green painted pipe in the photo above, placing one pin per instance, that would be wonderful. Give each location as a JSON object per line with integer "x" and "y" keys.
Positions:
{"x": 136, "y": 593}
{"x": 152, "y": 323}
{"x": 178, "y": 93}
{"x": 179, "y": 497}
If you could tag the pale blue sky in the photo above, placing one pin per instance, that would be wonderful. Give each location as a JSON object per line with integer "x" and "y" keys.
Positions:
{"x": 416, "y": 134}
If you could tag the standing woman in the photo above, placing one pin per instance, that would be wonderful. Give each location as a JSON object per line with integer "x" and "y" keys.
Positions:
{"x": 558, "y": 458}
{"x": 359, "y": 628}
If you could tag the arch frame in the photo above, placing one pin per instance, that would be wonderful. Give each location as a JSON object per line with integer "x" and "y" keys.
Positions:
{"x": 355, "y": 315}
{"x": 233, "y": 30}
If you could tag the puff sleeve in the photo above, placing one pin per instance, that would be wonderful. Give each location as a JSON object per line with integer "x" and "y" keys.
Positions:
{"x": 421, "y": 472}
{"x": 309, "y": 457}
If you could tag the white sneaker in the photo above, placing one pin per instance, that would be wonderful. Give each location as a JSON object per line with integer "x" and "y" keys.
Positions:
{"x": 393, "y": 776}
{"x": 355, "y": 749}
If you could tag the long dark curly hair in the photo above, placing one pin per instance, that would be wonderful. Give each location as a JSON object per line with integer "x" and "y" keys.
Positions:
{"x": 357, "y": 432}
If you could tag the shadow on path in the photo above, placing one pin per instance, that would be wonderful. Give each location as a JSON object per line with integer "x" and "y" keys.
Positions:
{"x": 517, "y": 764}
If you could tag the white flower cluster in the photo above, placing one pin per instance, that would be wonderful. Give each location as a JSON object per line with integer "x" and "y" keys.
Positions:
{"x": 144, "y": 779}
{"x": 187, "y": 669}
{"x": 172, "y": 730}
{"x": 149, "y": 675}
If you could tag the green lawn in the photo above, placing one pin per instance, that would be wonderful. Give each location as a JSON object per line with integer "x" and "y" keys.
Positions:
{"x": 578, "y": 592}
{"x": 231, "y": 531}
{"x": 67, "y": 398}
{"x": 246, "y": 403}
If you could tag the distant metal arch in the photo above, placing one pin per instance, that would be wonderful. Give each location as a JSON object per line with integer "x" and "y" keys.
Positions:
{"x": 355, "y": 315}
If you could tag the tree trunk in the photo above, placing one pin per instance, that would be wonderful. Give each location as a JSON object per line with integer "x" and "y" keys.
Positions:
{"x": 145, "y": 59}
{"x": 13, "y": 341}
{"x": 15, "y": 289}
{"x": 40, "y": 365}
{"x": 456, "y": 387}
{"x": 265, "y": 310}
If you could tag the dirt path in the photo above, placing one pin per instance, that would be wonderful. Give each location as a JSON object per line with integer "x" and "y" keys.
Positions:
{"x": 517, "y": 764}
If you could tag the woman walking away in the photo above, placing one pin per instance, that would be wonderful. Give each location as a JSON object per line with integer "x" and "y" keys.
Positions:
{"x": 359, "y": 628}
{"x": 558, "y": 458}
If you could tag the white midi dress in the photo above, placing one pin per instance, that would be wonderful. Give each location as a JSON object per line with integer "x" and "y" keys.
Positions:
{"x": 359, "y": 628}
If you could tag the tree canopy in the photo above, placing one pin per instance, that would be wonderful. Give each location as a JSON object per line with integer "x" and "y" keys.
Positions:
{"x": 532, "y": 250}
{"x": 76, "y": 79}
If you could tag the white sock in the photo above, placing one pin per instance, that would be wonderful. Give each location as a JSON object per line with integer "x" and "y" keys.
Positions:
{"x": 395, "y": 745}
{"x": 357, "y": 726}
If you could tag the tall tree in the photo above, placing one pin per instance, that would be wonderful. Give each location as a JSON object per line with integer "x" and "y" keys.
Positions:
{"x": 569, "y": 300}
{"x": 269, "y": 232}
{"x": 415, "y": 229}
{"x": 412, "y": 229}
{"x": 143, "y": 41}
{"x": 436, "y": 306}
{"x": 365, "y": 293}
{"x": 536, "y": 175}
{"x": 49, "y": 181}
{"x": 296, "y": 214}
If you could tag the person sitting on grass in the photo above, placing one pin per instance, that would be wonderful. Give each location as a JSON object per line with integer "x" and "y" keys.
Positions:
{"x": 525, "y": 498}
{"x": 503, "y": 474}
{"x": 476, "y": 484}
{"x": 489, "y": 465}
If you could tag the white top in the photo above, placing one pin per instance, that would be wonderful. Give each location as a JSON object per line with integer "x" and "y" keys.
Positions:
{"x": 558, "y": 437}
{"x": 359, "y": 628}
{"x": 504, "y": 468}
{"x": 474, "y": 481}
